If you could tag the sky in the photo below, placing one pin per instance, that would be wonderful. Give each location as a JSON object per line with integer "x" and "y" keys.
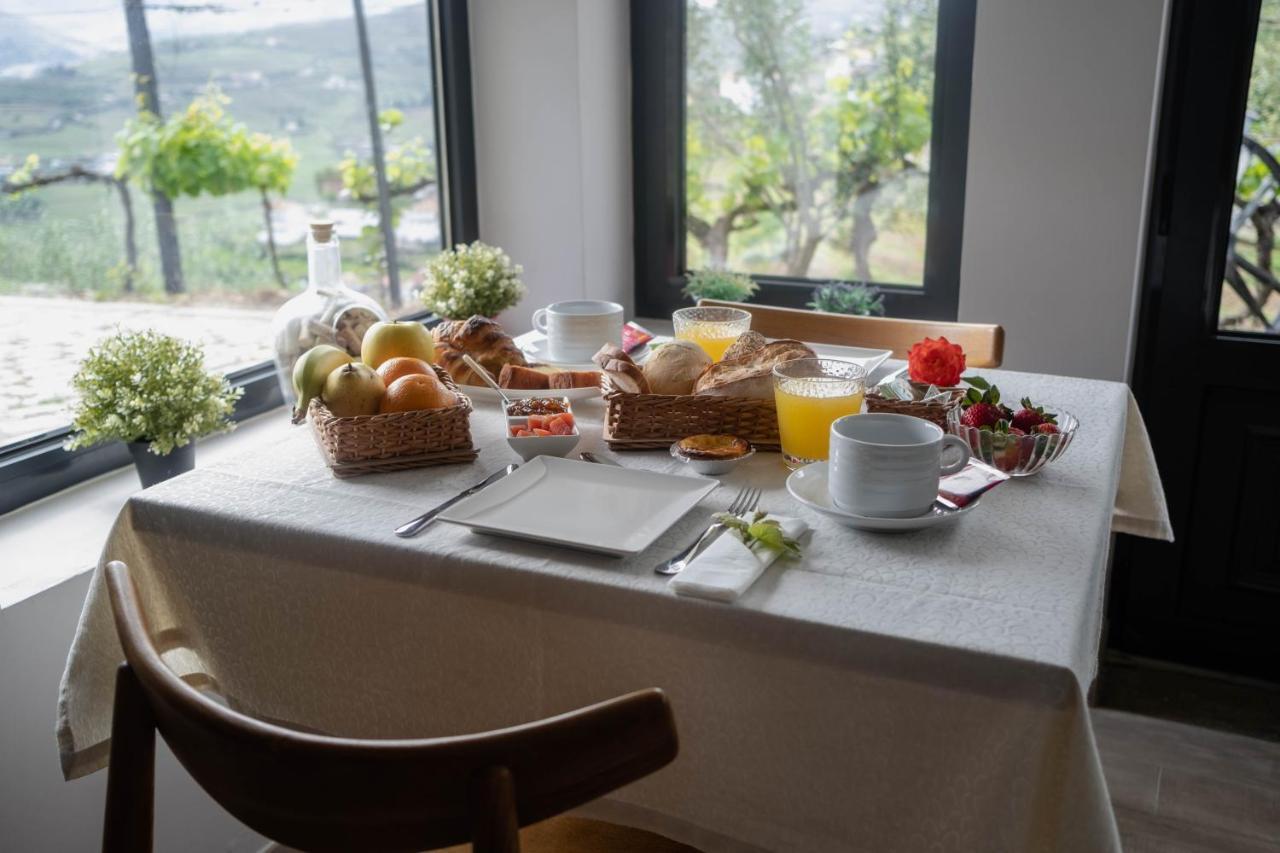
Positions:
{"x": 98, "y": 25}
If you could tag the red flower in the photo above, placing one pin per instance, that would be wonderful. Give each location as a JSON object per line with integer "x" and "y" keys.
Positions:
{"x": 937, "y": 362}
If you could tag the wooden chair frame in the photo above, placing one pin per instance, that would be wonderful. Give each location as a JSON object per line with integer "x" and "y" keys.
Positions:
{"x": 321, "y": 793}
{"x": 983, "y": 343}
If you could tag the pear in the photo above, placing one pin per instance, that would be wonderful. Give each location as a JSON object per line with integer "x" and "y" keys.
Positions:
{"x": 353, "y": 389}
{"x": 309, "y": 373}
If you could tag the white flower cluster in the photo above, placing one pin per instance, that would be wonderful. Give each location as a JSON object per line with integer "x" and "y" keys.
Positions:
{"x": 471, "y": 278}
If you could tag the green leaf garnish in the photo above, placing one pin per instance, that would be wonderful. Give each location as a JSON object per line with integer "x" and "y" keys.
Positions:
{"x": 761, "y": 531}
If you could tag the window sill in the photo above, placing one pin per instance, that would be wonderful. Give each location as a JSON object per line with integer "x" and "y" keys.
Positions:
{"x": 61, "y": 536}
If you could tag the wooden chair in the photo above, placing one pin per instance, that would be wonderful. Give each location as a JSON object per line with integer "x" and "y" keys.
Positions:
{"x": 321, "y": 793}
{"x": 983, "y": 343}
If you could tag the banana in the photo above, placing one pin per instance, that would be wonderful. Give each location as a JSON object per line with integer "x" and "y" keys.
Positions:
{"x": 309, "y": 373}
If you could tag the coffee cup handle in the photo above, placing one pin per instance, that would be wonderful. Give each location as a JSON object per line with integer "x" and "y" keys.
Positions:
{"x": 540, "y": 320}
{"x": 959, "y": 444}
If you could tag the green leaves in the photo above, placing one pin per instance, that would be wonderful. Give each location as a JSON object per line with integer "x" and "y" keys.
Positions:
{"x": 761, "y": 532}
{"x": 719, "y": 284}
{"x": 202, "y": 151}
{"x": 842, "y": 297}
{"x": 136, "y": 386}
{"x": 471, "y": 278}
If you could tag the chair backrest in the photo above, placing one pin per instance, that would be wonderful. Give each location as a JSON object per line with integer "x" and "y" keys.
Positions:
{"x": 316, "y": 792}
{"x": 983, "y": 343}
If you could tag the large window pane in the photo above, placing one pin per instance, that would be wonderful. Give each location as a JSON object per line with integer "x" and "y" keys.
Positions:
{"x": 281, "y": 68}
{"x": 807, "y": 137}
{"x": 1251, "y": 291}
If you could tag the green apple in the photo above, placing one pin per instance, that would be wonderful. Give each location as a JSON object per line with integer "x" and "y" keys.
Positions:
{"x": 389, "y": 340}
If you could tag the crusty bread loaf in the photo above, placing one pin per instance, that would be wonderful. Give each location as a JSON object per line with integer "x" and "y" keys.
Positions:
{"x": 750, "y": 375}
{"x": 565, "y": 379}
{"x": 522, "y": 378}
{"x": 748, "y": 342}
{"x": 481, "y": 338}
{"x": 626, "y": 377}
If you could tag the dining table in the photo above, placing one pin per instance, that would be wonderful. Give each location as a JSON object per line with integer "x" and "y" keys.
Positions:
{"x": 923, "y": 691}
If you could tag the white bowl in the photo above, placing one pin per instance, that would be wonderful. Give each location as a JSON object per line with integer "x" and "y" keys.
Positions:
{"x": 710, "y": 467}
{"x": 530, "y": 446}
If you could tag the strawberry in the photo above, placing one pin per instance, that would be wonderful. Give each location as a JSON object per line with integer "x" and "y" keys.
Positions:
{"x": 1031, "y": 416}
{"x": 981, "y": 404}
{"x": 980, "y": 415}
{"x": 1047, "y": 429}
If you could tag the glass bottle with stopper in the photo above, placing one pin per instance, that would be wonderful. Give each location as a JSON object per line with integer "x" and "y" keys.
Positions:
{"x": 327, "y": 312}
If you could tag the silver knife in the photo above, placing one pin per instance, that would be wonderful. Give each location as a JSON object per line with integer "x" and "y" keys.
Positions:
{"x": 413, "y": 528}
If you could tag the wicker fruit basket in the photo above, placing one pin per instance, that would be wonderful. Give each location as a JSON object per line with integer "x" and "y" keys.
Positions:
{"x": 934, "y": 410}
{"x": 654, "y": 421}
{"x": 397, "y": 440}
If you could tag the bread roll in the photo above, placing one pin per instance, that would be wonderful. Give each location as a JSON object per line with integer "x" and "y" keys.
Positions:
{"x": 626, "y": 377}
{"x": 673, "y": 367}
{"x": 747, "y": 343}
{"x": 608, "y": 353}
{"x": 522, "y": 378}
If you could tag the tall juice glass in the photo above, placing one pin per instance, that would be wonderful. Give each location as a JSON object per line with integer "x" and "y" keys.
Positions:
{"x": 811, "y": 393}
{"x": 713, "y": 329}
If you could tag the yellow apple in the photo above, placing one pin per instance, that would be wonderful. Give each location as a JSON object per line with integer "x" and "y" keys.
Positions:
{"x": 402, "y": 338}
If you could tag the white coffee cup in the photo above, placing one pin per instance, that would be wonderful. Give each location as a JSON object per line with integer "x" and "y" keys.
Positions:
{"x": 888, "y": 466}
{"x": 576, "y": 329}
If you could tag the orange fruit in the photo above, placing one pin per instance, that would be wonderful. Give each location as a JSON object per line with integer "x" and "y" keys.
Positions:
{"x": 416, "y": 391}
{"x": 393, "y": 368}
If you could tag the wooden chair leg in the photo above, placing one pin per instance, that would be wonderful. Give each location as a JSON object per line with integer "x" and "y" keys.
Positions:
{"x": 497, "y": 829}
{"x": 129, "y": 821}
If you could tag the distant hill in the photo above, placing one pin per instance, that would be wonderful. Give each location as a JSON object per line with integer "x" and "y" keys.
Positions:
{"x": 23, "y": 43}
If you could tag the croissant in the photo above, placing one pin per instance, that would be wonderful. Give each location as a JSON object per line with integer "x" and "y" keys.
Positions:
{"x": 479, "y": 337}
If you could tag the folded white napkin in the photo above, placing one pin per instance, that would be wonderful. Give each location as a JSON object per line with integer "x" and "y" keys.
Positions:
{"x": 728, "y": 567}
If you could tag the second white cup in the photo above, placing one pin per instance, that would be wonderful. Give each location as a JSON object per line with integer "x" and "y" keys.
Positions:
{"x": 576, "y": 329}
{"x": 888, "y": 466}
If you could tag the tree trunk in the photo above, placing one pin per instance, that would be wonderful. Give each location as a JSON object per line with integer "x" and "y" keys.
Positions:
{"x": 385, "y": 221}
{"x": 801, "y": 258}
{"x": 864, "y": 232}
{"x": 130, "y": 242}
{"x": 271, "y": 238}
{"x": 148, "y": 92}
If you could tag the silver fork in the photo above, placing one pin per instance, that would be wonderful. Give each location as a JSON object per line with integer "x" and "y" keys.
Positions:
{"x": 745, "y": 501}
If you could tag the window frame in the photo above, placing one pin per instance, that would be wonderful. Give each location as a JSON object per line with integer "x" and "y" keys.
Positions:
{"x": 38, "y": 466}
{"x": 658, "y": 47}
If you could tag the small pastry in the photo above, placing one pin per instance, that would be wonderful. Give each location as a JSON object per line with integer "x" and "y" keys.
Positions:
{"x": 713, "y": 447}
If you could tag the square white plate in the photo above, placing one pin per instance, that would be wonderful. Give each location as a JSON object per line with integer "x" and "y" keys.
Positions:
{"x": 601, "y": 508}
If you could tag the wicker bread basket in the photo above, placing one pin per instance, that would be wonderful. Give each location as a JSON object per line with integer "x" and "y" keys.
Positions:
{"x": 934, "y": 410}
{"x": 655, "y": 421}
{"x": 397, "y": 440}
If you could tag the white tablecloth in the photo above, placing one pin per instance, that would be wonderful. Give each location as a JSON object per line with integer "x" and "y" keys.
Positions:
{"x": 912, "y": 692}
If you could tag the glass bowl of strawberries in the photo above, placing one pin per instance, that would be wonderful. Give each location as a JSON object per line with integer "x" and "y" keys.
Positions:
{"x": 1019, "y": 441}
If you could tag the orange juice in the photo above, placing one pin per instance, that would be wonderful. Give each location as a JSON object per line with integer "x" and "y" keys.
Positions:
{"x": 804, "y": 421}
{"x": 810, "y": 395}
{"x": 713, "y": 346}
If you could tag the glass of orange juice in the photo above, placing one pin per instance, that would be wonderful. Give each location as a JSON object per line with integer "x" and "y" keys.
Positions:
{"x": 713, "y": 329}
{"x": 811, "y": 393}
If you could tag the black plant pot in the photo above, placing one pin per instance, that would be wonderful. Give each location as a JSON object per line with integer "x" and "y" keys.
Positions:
{"x": 154, "y": 469}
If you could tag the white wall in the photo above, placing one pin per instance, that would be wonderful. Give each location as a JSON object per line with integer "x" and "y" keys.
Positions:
{"x": 38, "y": 810}
{"x": 553, "y": 134}
{"x": 1061, "y": 126}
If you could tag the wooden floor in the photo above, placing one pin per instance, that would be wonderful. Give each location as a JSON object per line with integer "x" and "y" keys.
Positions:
{"x": 1185, "y": 789}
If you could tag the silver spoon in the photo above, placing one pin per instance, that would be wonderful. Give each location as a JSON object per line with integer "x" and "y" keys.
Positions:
{"x": 488, "y": 380}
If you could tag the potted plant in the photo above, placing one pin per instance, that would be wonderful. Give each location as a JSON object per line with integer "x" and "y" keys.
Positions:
{"x": 842, "y": 297}
{"x": 152, "y": 392}
{"x": 471, "y": 278}
{"x": 719, "y": 284}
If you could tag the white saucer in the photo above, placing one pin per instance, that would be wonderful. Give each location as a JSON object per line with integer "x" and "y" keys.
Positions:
{"x": 536, "y": 351}
{"x": 809, "y": 486}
